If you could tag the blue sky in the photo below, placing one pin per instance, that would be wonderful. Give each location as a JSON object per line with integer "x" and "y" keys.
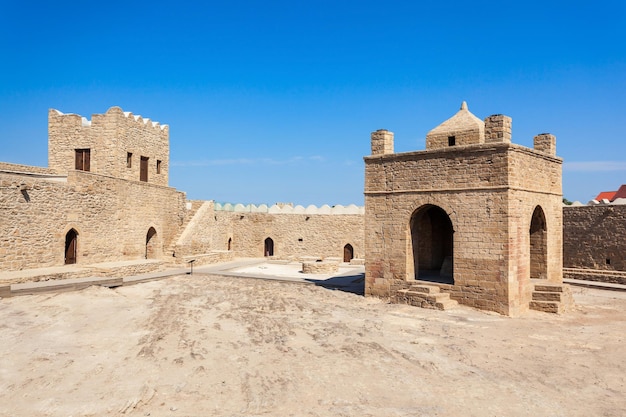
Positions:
{"x": 275, "y": 100}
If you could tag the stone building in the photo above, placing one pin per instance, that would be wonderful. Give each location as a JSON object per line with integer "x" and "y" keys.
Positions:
{"x": 105, "y": 199}
{"x": 473, "y": 216}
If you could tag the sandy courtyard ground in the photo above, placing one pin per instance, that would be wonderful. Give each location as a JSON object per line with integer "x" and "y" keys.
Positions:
{"x": 224, "y": 346}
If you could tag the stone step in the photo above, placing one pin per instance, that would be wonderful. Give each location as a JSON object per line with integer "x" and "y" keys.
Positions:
{"x": 546, "y": 296}
{"x": 446, "y": 304}
{"x": 426, "y": 289}
{"x": 436, "y": 300}
{"x": 549, "y": 287}
{"x": 195, "y": 206}
{"x": 551, "y": 298}
{"x": 546, "y": 306}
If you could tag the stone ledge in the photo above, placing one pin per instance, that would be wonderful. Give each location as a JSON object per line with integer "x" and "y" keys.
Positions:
{"x": 323, "y": 267}
{"x": 71, "y": 284}
{"x": 599, "y": 275}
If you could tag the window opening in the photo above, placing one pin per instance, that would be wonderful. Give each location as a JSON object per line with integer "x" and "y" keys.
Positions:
{"x": 82, "y": 160}
{"x": 158, "y": 166}
{"x": 129, "y": 160}
{"x": 143, "y": 169}
{"x": 451, "y": 140}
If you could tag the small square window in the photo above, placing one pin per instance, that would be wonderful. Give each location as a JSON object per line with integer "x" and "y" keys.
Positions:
{"x": 129, "y": 160}
{"x": 158, "y": 166}
{"x": 451, "y": 140}
{"x": 608, "y": 261}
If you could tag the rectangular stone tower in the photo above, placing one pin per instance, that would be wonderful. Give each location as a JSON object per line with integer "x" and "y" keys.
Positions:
{"x": 474, "y": 214}
{"x": 115, "y": 144}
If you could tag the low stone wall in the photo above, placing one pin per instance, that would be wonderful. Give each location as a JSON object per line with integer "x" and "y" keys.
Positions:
{"x": 612, "y": 277}
{"x": 207, "y": 258}
{"x": 105, "y": 269}
{"x": 323, "y": 267}
{"x": 17, "y": 168}
{"x": 128, "y": 269}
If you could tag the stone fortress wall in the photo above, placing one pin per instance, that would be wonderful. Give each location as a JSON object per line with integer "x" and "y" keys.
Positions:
{"x": 117, "y": 216}
{"x": 110, "y": 216}
{"x": 594, "y": 241}
{"x": 294, "y": 231}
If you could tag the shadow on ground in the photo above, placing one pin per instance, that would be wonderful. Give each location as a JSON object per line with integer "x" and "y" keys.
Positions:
{"x": 354, "y": 283}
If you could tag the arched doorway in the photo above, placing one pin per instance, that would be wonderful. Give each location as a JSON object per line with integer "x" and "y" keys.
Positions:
{"x": 432, "y": 244}
{"x": 71, "y": 247}
{"x": 348, "y": 253}
{"x": 269, "y": 247}
{"x": 151, "y": 243}
{"x": 230, "y": 242}
{"x": 538, "y": 245}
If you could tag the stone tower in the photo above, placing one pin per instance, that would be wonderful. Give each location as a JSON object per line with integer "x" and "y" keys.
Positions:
{"x": 474, "y": 214}
{"x": 116, "y": 144}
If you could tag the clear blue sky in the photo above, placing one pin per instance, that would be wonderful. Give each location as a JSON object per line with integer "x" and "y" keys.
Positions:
{"x": 275, "y": 100}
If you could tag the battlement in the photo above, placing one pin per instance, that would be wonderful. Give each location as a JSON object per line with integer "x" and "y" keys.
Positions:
{"x": 116, "y": 143}
{"x": 80, "y": 121}
{"x": 281, "y": 208}
{"x": 465, "y": 129}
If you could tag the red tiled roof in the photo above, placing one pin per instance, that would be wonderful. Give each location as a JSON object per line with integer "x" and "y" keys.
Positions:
{"x": 609, "y": 195}
{"x": 621, "y": 193}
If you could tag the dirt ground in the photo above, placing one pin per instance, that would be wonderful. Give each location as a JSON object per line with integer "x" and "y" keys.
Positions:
{"x": 223, "y": 346}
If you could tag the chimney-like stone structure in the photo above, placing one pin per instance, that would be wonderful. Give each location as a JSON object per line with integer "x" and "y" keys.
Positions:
{"x": 498, "y": 128}
{"x": 382, "y": 142}
{"x": 546, "y": 143}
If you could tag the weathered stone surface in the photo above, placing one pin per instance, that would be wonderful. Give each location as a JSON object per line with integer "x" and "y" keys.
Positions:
{"x": 593, "y": 239}
{"x": 486, "y": 194}
{"x": 323, "y": 267}
{"x": 119, "y": 217}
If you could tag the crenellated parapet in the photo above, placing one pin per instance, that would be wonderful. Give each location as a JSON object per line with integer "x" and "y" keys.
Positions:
{"x": 603, "y": 202}
{"x": 117, "y": 144}
{"x": 290, "y": 209}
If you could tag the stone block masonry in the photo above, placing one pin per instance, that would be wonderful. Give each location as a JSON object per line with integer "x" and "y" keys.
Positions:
{"x": 104, "y": 197}
{"x": 120, "y": 145}
{"x": 112, "y": 218}
{"x": 594, "y": 236}
{"x": 292, "y": 233}
{"x": 477, "y": 215}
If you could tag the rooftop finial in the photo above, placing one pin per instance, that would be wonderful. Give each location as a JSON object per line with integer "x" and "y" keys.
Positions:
{"x": 464, "y": 105}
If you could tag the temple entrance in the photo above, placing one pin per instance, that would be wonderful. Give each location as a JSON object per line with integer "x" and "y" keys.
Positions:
{"x": 269, "y": 247}
{"x": 151, "y": 244}
{"x": 432, "y": 245}
{"x": 538, "y": 245}
{"x": 348, "y": 253}
{"x": 71, "y": 245}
